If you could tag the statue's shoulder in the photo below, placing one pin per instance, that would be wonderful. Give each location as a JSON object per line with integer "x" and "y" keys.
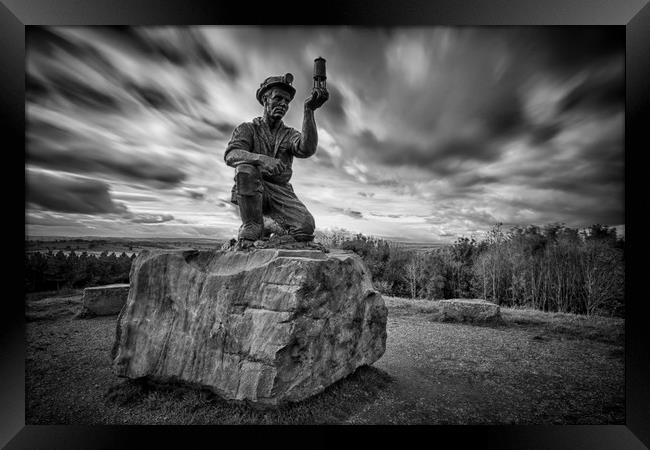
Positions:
{"x": 244, "y": 128}
{"x": 250, "y": 127}
{"x": 246, "y": 124}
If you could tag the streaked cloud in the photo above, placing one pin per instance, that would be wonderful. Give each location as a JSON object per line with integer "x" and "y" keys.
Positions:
{"x": 70, "y": 195}
{"x": 151, "y": 218}
{"x": 429, "y": 133}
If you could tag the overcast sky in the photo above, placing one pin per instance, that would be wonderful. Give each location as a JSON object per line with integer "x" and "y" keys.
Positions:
{"x": 429, "y": 133}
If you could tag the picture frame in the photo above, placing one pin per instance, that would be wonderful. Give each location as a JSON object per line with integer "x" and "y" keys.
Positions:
{"x": 634, "y": 15}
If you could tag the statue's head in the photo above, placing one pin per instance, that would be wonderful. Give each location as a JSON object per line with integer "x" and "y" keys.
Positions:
{"x": 275, "y": 94}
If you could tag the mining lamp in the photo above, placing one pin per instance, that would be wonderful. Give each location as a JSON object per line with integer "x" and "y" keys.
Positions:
{"x": 319, "y": 73}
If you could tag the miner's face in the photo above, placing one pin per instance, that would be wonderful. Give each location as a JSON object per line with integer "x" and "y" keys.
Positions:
{"x": 277, "y": 103}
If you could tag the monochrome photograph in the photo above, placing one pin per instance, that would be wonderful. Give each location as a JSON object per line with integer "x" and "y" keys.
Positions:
{"x": 324, "y": 225}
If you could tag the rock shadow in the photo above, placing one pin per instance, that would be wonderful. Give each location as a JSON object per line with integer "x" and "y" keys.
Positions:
{"x": 185, "y": 404}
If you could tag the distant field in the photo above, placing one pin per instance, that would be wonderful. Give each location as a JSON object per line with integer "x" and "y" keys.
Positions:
{"x": 89, "y": 252}
{"x": 420, "y": 246}
{"x": 115, "y": 245}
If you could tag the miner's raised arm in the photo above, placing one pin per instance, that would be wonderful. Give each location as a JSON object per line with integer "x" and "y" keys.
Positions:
{"x": 308, "y": 142}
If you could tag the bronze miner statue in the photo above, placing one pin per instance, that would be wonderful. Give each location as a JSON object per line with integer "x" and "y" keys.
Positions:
{"x": 262, "y": 152}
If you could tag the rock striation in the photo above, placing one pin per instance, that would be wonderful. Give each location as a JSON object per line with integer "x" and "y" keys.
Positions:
{"x": 104, "y": 300}
{"x": 267, "y": 326}
{"x": 469, "y": 310}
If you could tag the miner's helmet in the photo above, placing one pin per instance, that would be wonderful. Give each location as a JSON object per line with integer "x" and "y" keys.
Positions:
{"x": 283, "y": 82}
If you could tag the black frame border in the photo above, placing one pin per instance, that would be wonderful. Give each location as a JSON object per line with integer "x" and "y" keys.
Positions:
{"x": 634, "y": 15}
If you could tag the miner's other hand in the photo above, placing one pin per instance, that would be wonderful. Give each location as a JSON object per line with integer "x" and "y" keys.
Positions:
{"x": 272, "y": 166}
{"x": 317, "y": 98}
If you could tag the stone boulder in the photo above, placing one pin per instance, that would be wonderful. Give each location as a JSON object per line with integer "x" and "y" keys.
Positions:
{"x": 469, "y": 310}
{"x": 104, "y": 300}
{"x": 266, "y": 326}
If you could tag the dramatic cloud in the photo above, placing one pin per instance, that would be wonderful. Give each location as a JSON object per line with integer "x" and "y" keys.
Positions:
{"x": 348, "y": 212}
{"x": 70, "y": 195}
{"x": 196, "y": 195}
{"x": 599, "y": 92}
{"x": 135, "y": 168}
{"x": 429, "y": 133}
{"x": 56, "y": 147}
{"x": 150, "y": 218}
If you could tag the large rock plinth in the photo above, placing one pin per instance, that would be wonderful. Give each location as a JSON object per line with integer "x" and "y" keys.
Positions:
{"x": 469, "y": 310}
{"x": 267, "y": 326}
{"x": 104, "y": 300}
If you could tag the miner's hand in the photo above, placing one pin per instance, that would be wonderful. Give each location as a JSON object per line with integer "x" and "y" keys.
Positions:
{"x": 272, "y": 166}
{"x": 317, "y": 98}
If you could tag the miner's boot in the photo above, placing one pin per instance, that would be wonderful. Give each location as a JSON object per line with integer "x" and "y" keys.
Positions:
{"x": 250, "y": 210}
{"x": 249, "y": 199}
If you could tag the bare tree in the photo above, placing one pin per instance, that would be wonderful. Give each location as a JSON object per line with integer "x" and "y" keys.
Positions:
{"x": 601, "y": 275}
{"x": 413, "y": 272}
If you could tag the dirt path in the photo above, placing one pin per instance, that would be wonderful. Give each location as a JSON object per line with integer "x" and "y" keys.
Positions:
{"x": 525, "y": 371}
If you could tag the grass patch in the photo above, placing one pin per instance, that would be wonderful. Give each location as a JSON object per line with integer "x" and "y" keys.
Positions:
{"x": 53, "y": 308}
{"x": 545, "y": 325}
{"x": 36, "y": 296}
{"x": 411, "y": 306}
{"x": 609, "y": 330}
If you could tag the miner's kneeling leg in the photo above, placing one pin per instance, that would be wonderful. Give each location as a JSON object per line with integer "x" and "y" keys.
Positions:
{"x": 303, "y": 230}
{"x": 249, "y": 199}
{"x": 291, "y": 214}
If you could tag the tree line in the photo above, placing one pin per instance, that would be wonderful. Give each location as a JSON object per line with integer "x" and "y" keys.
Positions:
{"x": 55, "y": 271}
{"x": 550, "y": 268}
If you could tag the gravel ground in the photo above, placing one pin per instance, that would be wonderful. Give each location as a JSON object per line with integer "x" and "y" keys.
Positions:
{"x": 534, "y": 368}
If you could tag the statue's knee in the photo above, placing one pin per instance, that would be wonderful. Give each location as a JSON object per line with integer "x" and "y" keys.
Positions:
{"x": 249, "y": 179}
{"x": 307, "y": 226}
{"x": 247, "y": 171}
